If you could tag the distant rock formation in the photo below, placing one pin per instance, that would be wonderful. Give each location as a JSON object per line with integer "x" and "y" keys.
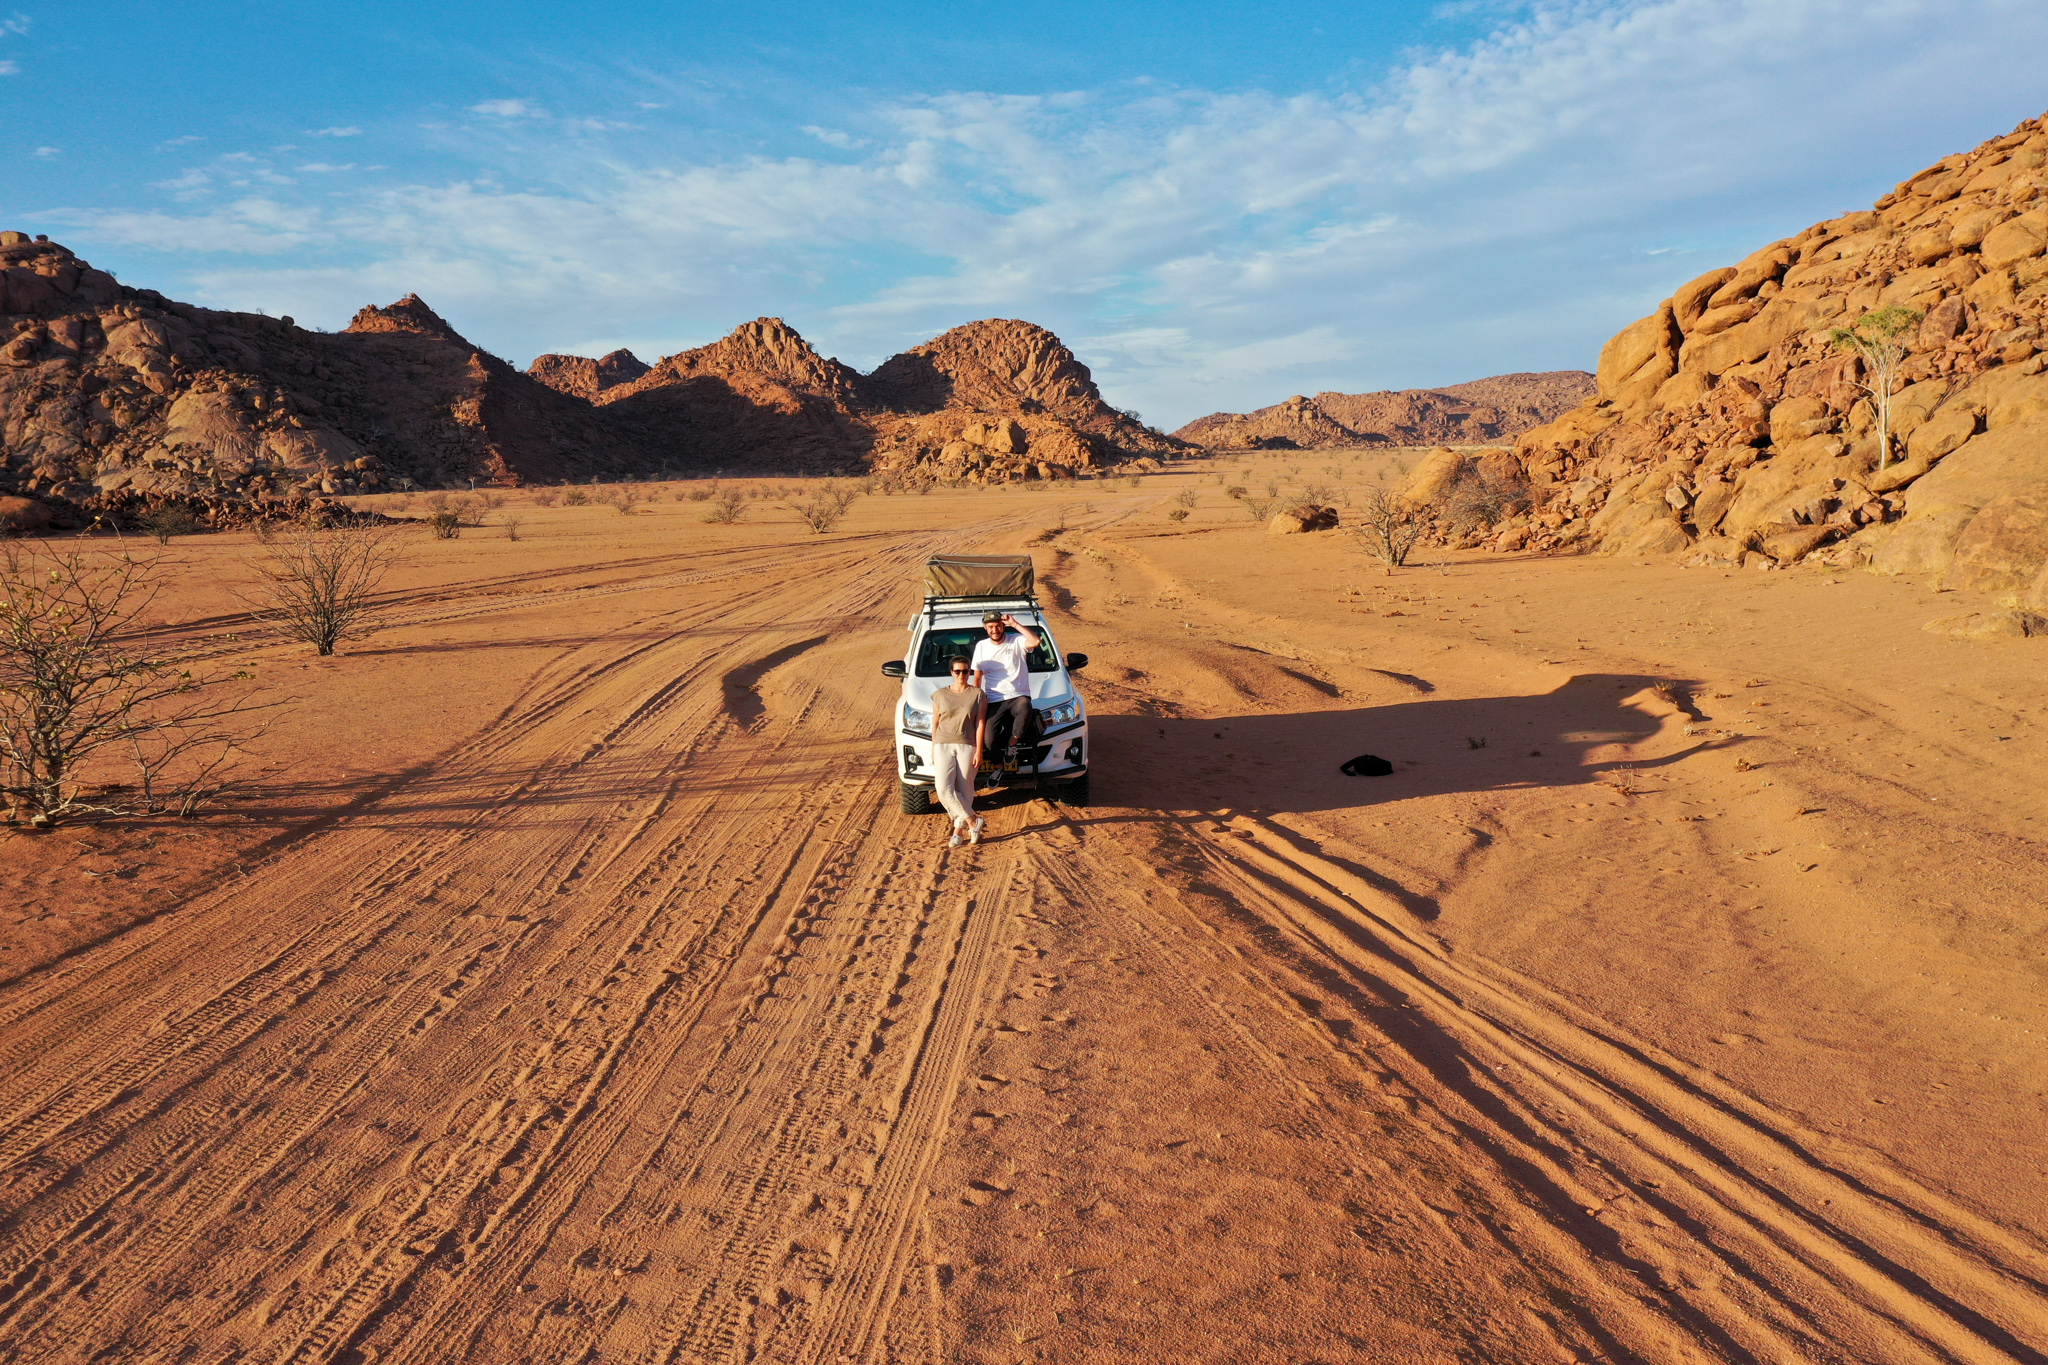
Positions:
{"x": 995, "y": 400}
{"x": 987, "y": 402}
{"x": 584, "y": 377}
{"x": 1494, "y": 409}
{"x": 1730, "y": 427}
{"x": 761, "y": 396}
{"x": 105, "y": 388}
{"x": 109, "y": 394}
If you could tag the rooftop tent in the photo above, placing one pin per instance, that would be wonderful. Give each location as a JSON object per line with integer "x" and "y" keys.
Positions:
{"x": 978, "y": 576}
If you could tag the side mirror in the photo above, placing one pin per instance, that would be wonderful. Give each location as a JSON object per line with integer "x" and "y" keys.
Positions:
{"x": 895, "y": 669}
{"x": 1076, "y": 662}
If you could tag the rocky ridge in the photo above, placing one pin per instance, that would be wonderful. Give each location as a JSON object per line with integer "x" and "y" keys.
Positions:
{"x": 1728, "y": 426}
{"x": 107, "y": 390}
{"x": 1492, "y": 409}
{"x": 990, "y": 401}
{"x": 113, "y": 397}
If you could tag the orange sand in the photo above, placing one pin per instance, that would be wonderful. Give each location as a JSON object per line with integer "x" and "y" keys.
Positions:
{"x": 566, "y": 985}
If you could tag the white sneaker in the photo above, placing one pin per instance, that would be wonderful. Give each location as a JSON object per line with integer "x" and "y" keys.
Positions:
{"x": 974, "y": 830}
{"x": 955, "y": 841}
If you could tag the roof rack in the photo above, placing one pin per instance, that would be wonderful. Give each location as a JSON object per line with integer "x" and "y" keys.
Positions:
{"x": 934, "y": 606}
{"x": 979, "y": 580}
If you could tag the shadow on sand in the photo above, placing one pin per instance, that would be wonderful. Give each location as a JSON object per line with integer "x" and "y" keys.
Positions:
{"x": 1579, "y": 733}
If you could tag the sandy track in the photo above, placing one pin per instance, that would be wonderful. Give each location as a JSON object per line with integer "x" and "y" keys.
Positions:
{"x": 630, "y": 979}
{"x": 641, "y": 1027}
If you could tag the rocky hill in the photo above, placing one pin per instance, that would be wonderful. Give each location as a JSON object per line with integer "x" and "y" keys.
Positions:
{"x": 108, "y": 390}
{"x": 111, "y": 397}
{"x": 990, "y": 401}
{"x": 1729, "y": 426}
{"x": 1494, "y": 409}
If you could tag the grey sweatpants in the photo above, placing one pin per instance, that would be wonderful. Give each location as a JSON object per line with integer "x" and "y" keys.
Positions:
{"x": 955, "y": 784}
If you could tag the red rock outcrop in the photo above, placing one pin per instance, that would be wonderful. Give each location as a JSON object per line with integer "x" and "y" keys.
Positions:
{"x": 759, "y": 397}
{"x": 584, "y": 377}
{"x": 990, "y": 401}
{"x": 105, "y": 388}
{"x": 1493, "y": 409}
{"x": 1730, "y": 427}
{"x": 995, "y": 400}
{"x": 108, "y": 393}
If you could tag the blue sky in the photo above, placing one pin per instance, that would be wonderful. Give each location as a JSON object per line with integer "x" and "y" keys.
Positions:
{"x": 1216, "y": 205}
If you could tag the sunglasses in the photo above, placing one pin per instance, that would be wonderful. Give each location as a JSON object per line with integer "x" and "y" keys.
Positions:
{"x": 959, "y": 672}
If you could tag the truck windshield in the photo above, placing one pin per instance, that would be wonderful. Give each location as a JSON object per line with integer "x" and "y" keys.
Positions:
{"x": 935, "y": 654}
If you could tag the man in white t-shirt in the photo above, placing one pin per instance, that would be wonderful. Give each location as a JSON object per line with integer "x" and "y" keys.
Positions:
{"x": 1002, "y": 671}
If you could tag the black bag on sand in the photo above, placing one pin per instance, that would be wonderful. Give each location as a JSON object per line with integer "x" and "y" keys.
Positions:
{"x": 1367, "y": 765}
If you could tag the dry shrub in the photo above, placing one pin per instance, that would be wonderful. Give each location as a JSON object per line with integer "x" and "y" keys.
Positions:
{"x": 79, "y": 691}
{"x": 1177, "y": 514}
{"x": 1477, "y": 495}
{"x": 575, "y": 497}
{"x": 1388, "y": 527}
{"x": 545, "y": 497}
{"x": 625, "y": 499}
{"x": 446, "y": 525}
{"x": 1187, "y": 498}
{"x": 726, "y": 508}
{"x": 322, "y": 585}
{"x": 511, "y": 525}
{"x": 169, "y": 520}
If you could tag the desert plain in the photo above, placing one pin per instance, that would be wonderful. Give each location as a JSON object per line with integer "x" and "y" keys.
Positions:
{"x": 562, "y": 982}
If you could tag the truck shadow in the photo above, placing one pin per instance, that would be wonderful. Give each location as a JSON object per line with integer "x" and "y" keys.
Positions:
{"x": 1579, "y": 733}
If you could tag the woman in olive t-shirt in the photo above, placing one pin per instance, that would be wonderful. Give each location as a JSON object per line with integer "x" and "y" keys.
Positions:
{"x": 959, "y": 725}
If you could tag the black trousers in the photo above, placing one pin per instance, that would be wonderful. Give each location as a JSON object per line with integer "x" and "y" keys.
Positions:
{"x": 1011, "y": 721}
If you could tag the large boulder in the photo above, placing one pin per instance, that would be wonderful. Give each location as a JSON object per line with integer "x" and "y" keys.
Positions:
{"x": 1432, "y": 478}
{"x": 2004, "y": 548}
{"x": 1295, "y": 520}
{"x": 1990, "y": 625}
{"x": 23, "y": 516}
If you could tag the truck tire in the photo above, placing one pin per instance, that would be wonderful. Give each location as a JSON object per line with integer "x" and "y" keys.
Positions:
{"x": 1074, "y": 793}
{"x": 916, "y": 800}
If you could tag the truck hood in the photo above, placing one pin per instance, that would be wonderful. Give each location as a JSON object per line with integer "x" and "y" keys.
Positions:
{"x": 1047, "y": 689}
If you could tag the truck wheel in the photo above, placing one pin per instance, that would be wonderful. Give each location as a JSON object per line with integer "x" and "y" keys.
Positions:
{"x": 1074, "y": 793}
{"x": 917, "y": 800}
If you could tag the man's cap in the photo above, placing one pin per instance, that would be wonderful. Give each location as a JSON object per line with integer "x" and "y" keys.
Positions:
{"x": 992, "y": 616}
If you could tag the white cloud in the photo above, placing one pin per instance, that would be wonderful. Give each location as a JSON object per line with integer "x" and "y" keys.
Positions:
{"x": 508, "y": 109}
{"x": 46, "y": 153}
{"x": 1503, "y": 206}
{"x": 350, "y": 131}
{"x": 323, "y": 168}
{"x": 832, "y": 137}
{"x": 10, "y": 68}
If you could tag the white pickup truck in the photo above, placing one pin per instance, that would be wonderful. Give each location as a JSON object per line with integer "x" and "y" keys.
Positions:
{"x": 959, "y": 591}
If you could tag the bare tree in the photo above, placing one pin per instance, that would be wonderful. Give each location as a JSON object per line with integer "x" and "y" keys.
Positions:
{"x": 322, "y": 585}
{"x": 1389, "y": 527}
{"x": 79, "y": 690}
{"x": 1879, "y": 340}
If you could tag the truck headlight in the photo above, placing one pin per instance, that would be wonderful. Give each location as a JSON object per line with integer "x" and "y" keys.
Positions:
{"x": 1061, "y": 714}
{"x": 916, "y": 721}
